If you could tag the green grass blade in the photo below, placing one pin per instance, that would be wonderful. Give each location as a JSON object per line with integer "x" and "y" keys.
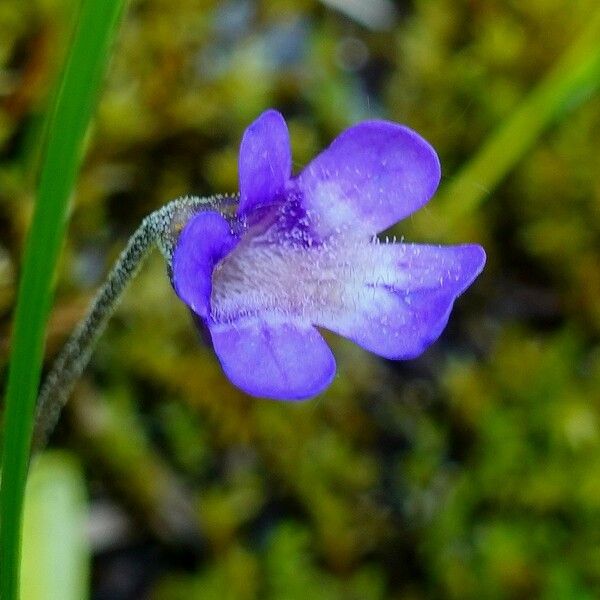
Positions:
{"x": 574, "y": 79}
{"x": 74, "y": 103}
{"x": 56, "y": 553}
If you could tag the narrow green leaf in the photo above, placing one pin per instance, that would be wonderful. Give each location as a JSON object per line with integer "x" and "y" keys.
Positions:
{"x": 74, "y": 103}
{"x": 574, "y": 79}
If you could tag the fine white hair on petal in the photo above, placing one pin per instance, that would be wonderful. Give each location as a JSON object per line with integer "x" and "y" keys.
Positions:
{"x": 331, "y": 278}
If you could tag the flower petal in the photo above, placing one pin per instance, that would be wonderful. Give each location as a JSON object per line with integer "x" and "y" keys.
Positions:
{"x": 265, "y": 162}
{"x": 406, "y": 304}
{"x": 372, "y": 176}
{"x": 274, "y": 359}
{"x": 205, "y": 239}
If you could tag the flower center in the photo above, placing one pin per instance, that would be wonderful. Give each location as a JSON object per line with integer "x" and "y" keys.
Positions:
{"x": 260, "y": 276}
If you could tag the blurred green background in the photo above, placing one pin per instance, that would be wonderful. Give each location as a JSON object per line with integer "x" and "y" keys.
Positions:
{"x": 472, "y": 472}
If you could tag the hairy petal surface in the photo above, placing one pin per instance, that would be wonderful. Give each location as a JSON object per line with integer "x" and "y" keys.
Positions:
{"x": 270, "y": 358}
{"x": 204, "y": 241}
{"x": 372, "y": 175}
{"x": 265, "y": 162}
{"x": 401, "y": 305}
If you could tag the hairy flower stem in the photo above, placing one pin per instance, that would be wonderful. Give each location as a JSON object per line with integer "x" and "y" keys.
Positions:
{"x": 160, "y": 228}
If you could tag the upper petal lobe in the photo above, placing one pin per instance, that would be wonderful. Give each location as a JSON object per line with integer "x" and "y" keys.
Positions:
{"x": 265, "y": 162}
{"x": 205, "y": 240}
{"x": 372, "y": 175}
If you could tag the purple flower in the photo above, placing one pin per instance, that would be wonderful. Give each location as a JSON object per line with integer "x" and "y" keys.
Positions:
{"x": 302, "y": 253}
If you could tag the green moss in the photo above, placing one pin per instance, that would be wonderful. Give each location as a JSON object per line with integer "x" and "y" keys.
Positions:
{"x": 469, "y": 473}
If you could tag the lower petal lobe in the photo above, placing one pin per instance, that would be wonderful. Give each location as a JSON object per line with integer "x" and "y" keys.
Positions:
{"x": 274, "y": 359}
{"x": 402, "y": 307}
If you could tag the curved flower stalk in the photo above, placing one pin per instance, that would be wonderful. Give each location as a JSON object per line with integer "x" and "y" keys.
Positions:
{"x": 260, "y": 272}
{"x": 159, "y": 229}
{"x": 302, "y": 252}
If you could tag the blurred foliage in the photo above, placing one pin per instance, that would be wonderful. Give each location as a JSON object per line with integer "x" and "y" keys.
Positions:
{"x": 56, "y": 554}
{"x": 468, "y": 473}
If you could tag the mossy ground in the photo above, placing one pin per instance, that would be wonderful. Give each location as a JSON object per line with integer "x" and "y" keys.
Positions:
{"x": 471, "y": 472}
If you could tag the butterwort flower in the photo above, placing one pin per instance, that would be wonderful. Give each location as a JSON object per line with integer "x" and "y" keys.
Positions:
{"x": 301, "y": 253}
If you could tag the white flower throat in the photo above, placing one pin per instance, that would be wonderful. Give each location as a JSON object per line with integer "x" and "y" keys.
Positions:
{"x": 261, "y": 275}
